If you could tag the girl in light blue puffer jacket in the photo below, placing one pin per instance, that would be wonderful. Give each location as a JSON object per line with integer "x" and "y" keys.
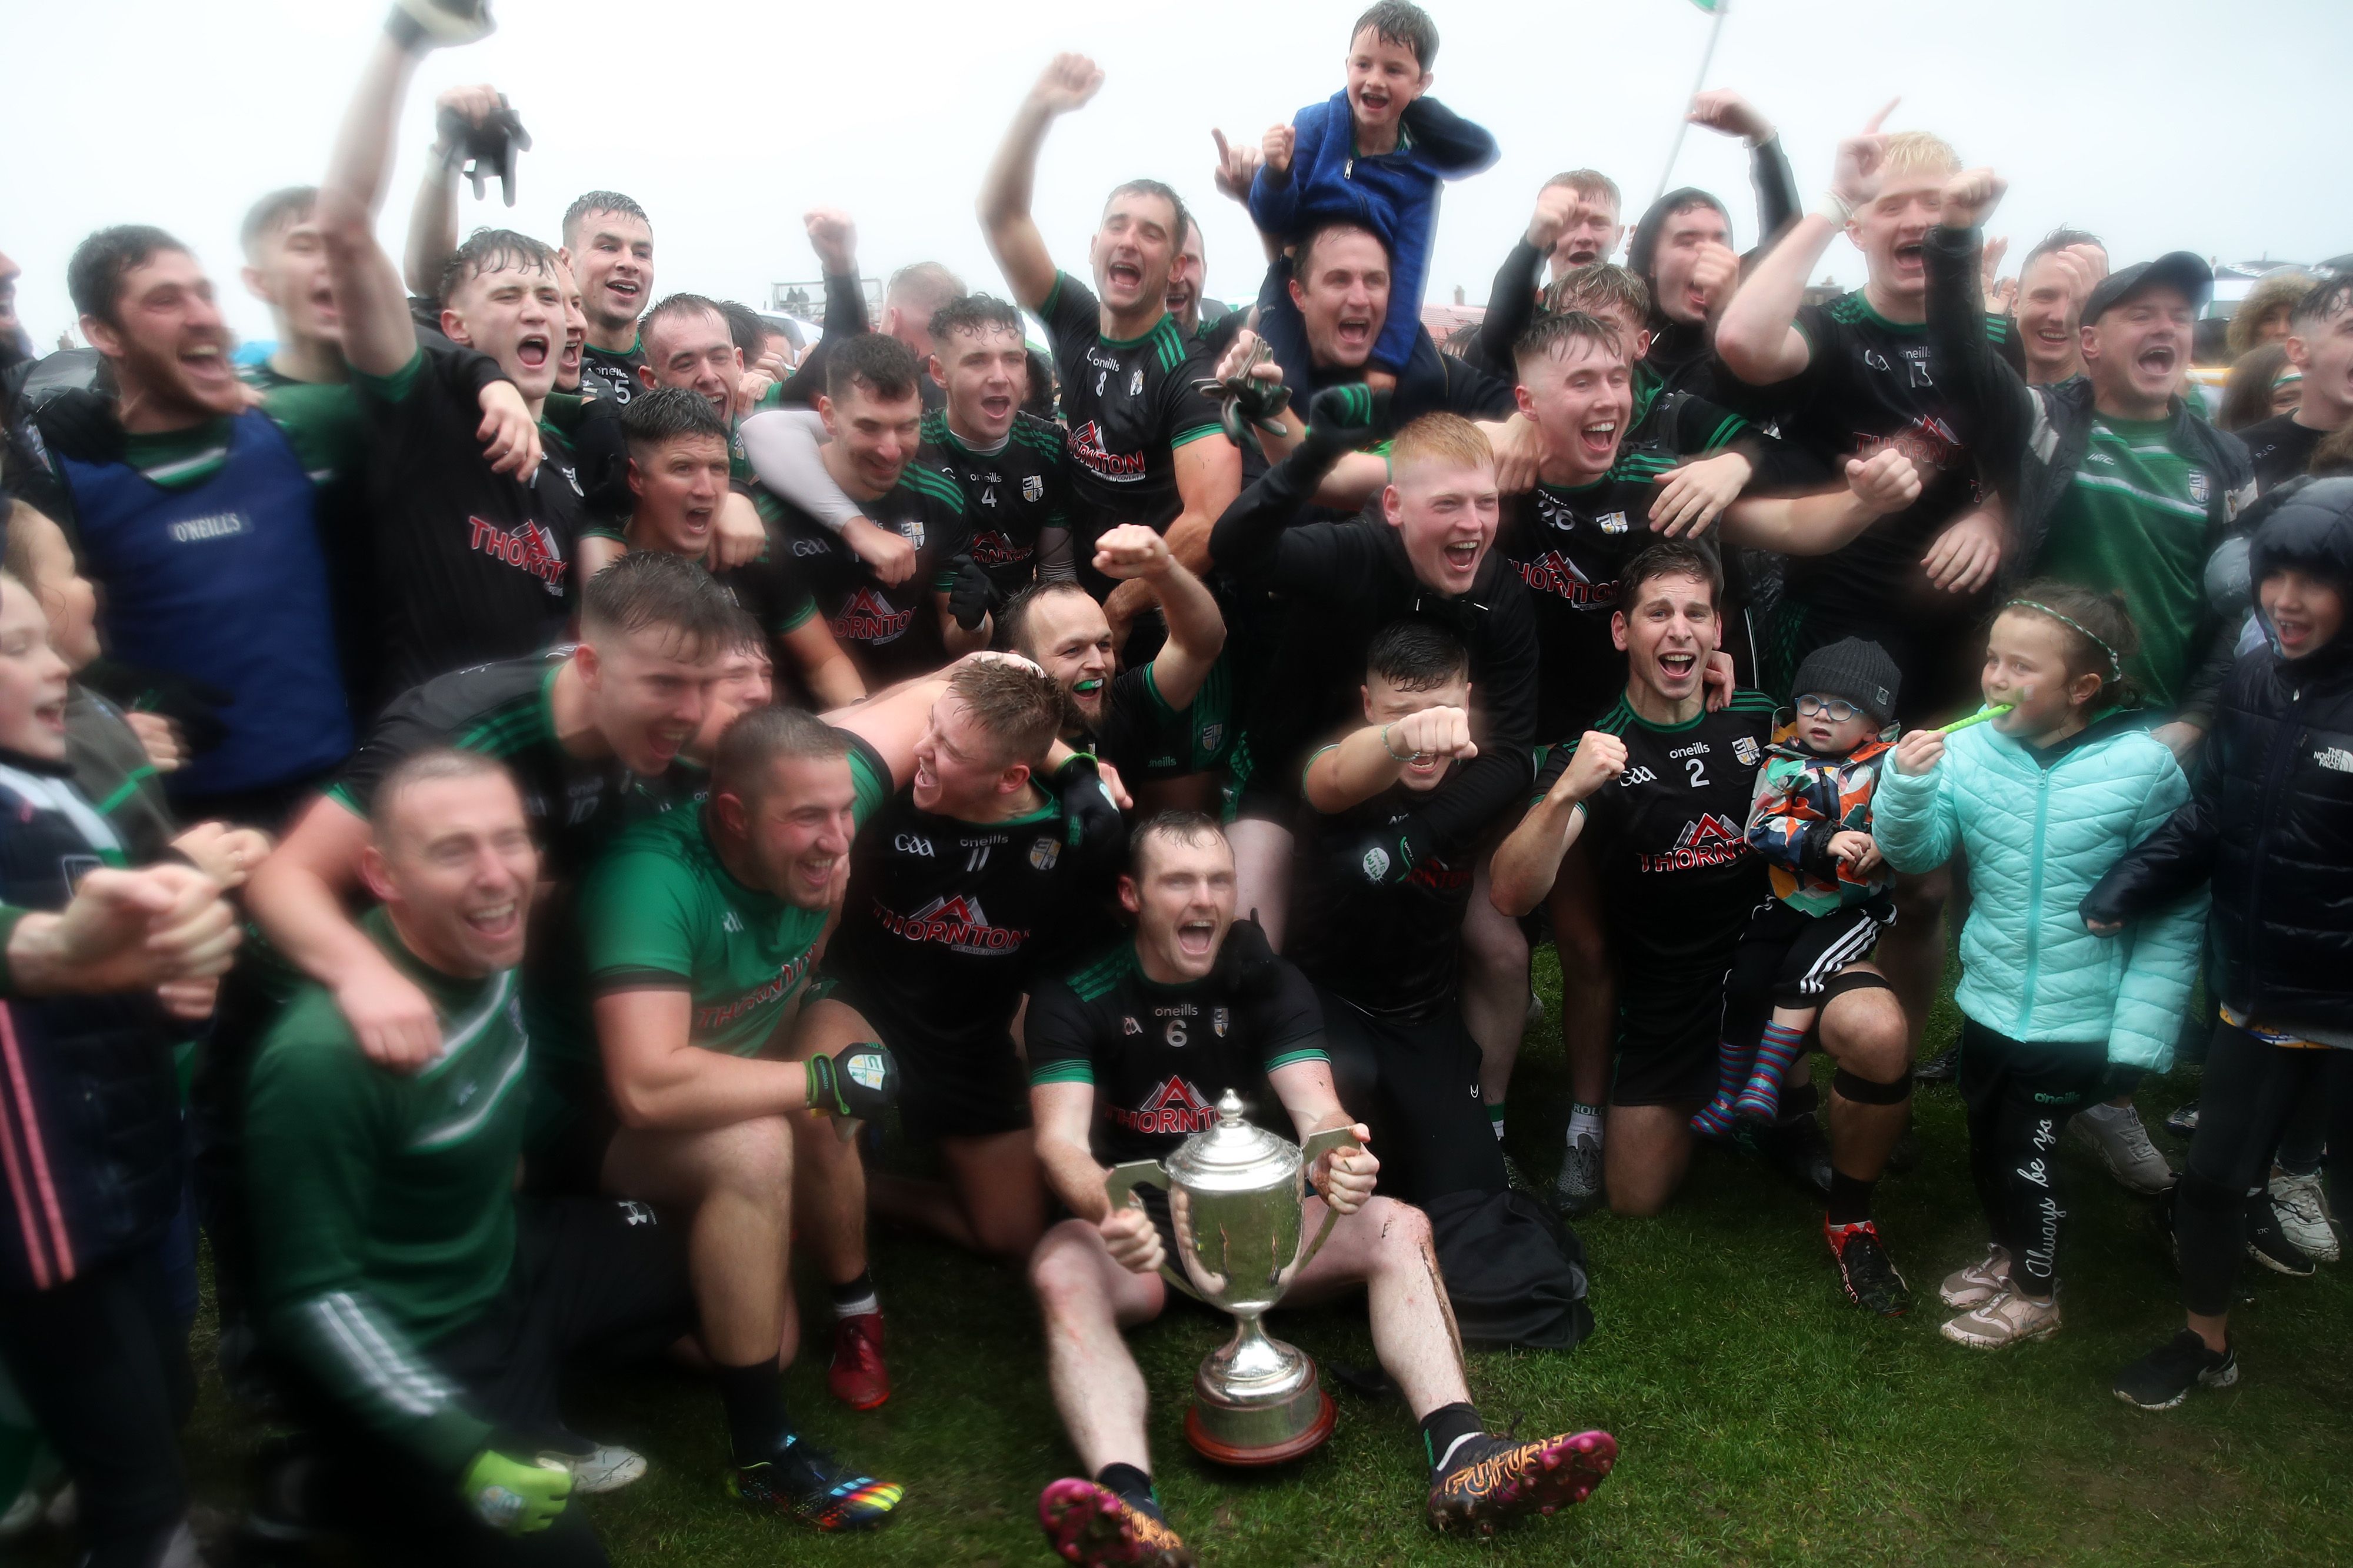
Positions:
{"x": 2042, "y": 799}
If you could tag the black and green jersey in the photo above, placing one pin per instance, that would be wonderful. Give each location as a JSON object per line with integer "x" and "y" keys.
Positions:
{"x": 1392, "y": 950}
{"x": 892, "y": 633}
{"x": 1129, "y": 404}
{"x": 384, "y": 1202}
{"x": 2139, "y": 518}
{"x": 1010, "y": 495}
{"x": 1568, "y": 543}
{"x": 1670, "y": 838}
{"x": 606, "y": 374}
{"x": 1871, "y": 384}
{"x": 469, "y": 566}
{"x": 1671, "y": 426}
{"x": 1145, "y": 738}
{"x": 661, "y": 912}
{"x": 766, "y": 588}
{"x": 1159, "y": 1057}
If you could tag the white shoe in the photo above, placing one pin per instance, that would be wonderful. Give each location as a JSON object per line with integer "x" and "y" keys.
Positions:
{"x": 2115, "y": 1135}
{"x": 609, "y": 1468}
{"x": 2303, "y": 1211}
{"x": 2008, "y": 1318}
{"x": 1980, "y": 1282}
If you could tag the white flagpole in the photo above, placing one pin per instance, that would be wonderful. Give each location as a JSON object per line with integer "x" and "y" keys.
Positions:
{"x": 1683, "y": 121}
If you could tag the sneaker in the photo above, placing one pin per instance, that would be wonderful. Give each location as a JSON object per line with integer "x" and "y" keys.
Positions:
{"x": 1495, "y": 1479}
{"x": 605, "y": 1468}
{"x": 807, "y": 1483}
{"x": 2181, "y": 1123}
{"x": 1578, "y": 1187}
{"x": 1866, "y": 1272}
{"x": 1942, "y": 1068}
{"x": 858, "y": 1376}
{"x": 2114, "y": 1133}
{"x": 1980, "y": 1282}
{"x": 2268, "y": 1244}
{"x": 1516, "y": 1179}
{"x": 1096, "y": 1528}
{"x": 2008, "y": 1318}
{"x": 1796, "y": 1148}
{"x": 2301, "y": 1211}
{"x": 2164, "y": 1377}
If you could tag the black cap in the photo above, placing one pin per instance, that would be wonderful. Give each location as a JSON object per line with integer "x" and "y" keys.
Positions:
{"x": 2178, "y": 268}
{"x": 1857, "y": 670}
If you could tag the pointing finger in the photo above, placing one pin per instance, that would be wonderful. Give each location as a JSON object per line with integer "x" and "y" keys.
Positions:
{"x": 1870, "y": 127}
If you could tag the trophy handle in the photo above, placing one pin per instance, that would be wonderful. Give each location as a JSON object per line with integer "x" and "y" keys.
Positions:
{"x": 1315, "y": 1148}
{"x": 1120, "y": 1184}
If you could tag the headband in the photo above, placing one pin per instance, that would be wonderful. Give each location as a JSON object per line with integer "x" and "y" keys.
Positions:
{"x": 2115, "y": 665}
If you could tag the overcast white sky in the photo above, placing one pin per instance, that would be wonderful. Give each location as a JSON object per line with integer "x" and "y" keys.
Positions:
{"x": 2161, "y": 124}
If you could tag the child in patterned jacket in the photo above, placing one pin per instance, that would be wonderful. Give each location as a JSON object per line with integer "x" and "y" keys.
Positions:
{"x": 1811, "y": 823}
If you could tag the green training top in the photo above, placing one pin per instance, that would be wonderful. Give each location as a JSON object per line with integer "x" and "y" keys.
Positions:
{"x": 660, "y": 912}
{"x": 2139, "y": 518}
{"x": 383, "y": 1202}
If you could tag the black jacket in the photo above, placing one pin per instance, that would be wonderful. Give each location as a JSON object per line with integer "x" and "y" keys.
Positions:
{"x": 2271, "y": 821}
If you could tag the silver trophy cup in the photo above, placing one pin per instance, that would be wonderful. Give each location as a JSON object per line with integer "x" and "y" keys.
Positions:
{"x": 1237, "y": 1195}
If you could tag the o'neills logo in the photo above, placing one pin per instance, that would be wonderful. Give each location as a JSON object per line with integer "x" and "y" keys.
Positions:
{"x": 990, "y": 548}
{"x": 1555, "y": 573}
{"x": 867, "y": 616}
{"x": 1119, "y": 467}
{"x": 527, "y": 547}
{"x": 1712, "y": 840}
{"x": 721, "y": 1014}
{"x": 957, "y": 921}
{"x": 1173, "y": 1107}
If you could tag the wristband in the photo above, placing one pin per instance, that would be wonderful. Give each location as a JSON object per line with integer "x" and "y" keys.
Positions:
{"x": 1834, "y": 209}
{"x": 1392, "y": 751}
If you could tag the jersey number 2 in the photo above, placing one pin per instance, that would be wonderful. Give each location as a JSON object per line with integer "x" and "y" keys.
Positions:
{"x": 1697, "y": 768}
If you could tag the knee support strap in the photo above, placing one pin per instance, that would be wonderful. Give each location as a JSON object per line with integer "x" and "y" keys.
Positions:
{"x": 1862, "y": 1091}
{"x": 1851, "y": 979}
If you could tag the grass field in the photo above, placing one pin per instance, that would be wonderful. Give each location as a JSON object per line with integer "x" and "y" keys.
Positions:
{"x": 1762, "y": 1419}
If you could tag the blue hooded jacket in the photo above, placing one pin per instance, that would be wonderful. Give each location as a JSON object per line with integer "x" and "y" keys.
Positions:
{"x": 1395, "y": 194}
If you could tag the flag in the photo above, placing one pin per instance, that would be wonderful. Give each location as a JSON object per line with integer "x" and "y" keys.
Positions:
{"x": 1714, "y": 7}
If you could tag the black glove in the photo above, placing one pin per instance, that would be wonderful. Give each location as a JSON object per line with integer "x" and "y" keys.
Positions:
{"x": 857, "y": 1083}
{"x": 1340, "y": 420}
{"x": 1259, "y": 401}
{"x": 1387, "y": 855}
{"x": 1094, "y": 818}
{"x": 971, "y": 595}
{"x": 1249, "y": 960}
{"x": 487, "y": 149}
{"x": 194, "y": 705}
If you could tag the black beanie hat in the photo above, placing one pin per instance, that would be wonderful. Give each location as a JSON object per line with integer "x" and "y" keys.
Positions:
{"x": 1857, "y": 670}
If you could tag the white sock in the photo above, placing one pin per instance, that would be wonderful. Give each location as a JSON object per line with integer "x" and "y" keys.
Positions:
{"x": 1584, "y": 1124}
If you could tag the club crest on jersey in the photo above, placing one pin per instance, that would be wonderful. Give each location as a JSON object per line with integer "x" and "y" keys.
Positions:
{"x": 1033, "y": 487}
{"x": 867, "y": 616}
{"x": 953, "y": 921}
{"x": 1210, "y": 735}
{"x": 1611, "y": 522}
{"x": 1135, "y": 383}
{"x": 1744, "y": 750}
{"x": 1045, "y": 852}
{"x": 1218, "y": 1019}
{"x": 1174, "y": 1107}
{"x": 911, "y": 530}
{"x": 2199, "y": 489}
{"x": 1712, "y": 840}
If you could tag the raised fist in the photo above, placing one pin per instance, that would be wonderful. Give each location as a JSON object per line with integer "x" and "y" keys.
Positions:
{"x": 1067, "y": 83}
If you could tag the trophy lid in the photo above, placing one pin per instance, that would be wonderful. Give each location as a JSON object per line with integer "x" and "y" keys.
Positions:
{"x": 1234, "y": 1156}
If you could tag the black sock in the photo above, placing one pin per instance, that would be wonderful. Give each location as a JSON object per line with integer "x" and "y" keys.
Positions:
{"x": 754, "y": 1398}
{"x": 856, "y": 1297}
{"x": 1445, "y": 1427}
{"x": 1132, "y": 1487}
{"x": 1849, "y": 1198}
{"x": 1799, "y": 1100}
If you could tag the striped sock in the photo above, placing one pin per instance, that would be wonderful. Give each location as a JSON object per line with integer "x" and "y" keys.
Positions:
{"x": 1775, "y": 1052}
{"x": 1715, "y": 1118}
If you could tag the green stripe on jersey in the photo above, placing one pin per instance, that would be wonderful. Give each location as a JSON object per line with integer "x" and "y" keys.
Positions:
{"x": 1293, "y": 1058}
{"x": 1105, "y": 975}
{"x": 1186, "y": 437}
{"x": 1064, "y": 1072}
{"x": 938, "y": 486}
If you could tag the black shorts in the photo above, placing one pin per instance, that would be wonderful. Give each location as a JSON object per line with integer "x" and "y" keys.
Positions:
{"x": 1786, "y": 956}
{"x": 1668, "y": 1030}
{"x": 1415, "y": 1086}
{"x": 947, "y": 1087}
